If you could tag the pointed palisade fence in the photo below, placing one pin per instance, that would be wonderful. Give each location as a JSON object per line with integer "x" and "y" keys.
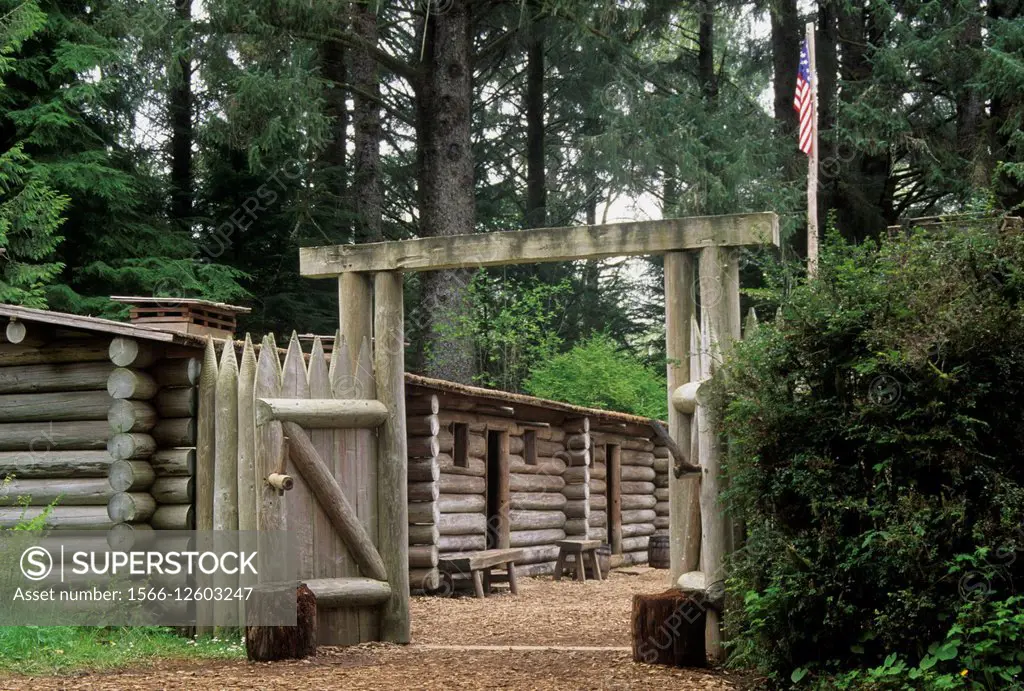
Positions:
{"x": 293, "y": 446}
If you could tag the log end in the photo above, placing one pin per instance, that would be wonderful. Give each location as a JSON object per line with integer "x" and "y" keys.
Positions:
{"x": 270, "y": 643}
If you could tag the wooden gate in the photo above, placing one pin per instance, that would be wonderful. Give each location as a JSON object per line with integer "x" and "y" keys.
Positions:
{"x": 309, "y": 447}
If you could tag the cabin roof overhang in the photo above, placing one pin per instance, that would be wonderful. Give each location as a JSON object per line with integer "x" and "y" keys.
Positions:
{"x": 532, "y": 408}
{"x": 77, "y": 322}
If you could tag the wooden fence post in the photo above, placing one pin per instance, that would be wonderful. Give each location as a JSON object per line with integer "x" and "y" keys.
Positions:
{"x": 206, "y": 447}
{"x": 249, "y": 480}
{"x": 392, "y": 490}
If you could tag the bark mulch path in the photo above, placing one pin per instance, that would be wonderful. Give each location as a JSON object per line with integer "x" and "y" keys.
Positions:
{"x": 563, "y": 635}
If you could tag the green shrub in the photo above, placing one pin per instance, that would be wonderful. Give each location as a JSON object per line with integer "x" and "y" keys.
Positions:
{"x": 598, "y": 374}
{"x": 875, "y": 435}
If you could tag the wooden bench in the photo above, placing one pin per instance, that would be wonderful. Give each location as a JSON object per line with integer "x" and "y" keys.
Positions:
{"x": 479, "y": 565}
{"x": 579, "y": 549}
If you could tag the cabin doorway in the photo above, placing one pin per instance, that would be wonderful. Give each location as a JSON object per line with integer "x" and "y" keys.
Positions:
{"x": 613, "y": 486}
{"x": 497, "y": 490}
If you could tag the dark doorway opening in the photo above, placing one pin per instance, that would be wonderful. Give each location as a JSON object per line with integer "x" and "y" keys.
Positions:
{"x": 497, "y": 489}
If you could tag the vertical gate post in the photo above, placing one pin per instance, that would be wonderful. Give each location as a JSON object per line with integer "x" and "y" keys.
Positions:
{"x": 392, "y": 447}
{"x": 683, "y": 493}
{"x": 719, "y": 293}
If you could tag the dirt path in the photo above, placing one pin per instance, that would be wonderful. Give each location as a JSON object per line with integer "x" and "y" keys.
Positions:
{"x": 564, "y": 635}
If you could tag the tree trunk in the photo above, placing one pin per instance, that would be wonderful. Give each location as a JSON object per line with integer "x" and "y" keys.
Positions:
{"x": 706, "y": 50}
{"x": 785, "y": 60}
{"x": 866, "y": 204}
{"x": 1009, "y": 190}
{"x": 179, "y": 103}
{"x": 444, "y": 100}
{"x": 367, "y": 195}
{"x": 536, "y": 190}
{"x": 668, "y": 629}
{"x": 970, "y": 105}
{"x": 332, "y": 61}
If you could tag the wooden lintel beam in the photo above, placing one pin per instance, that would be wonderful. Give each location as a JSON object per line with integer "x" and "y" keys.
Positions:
{"x": 322, "y": 413}
{"x": 541, "y": 245}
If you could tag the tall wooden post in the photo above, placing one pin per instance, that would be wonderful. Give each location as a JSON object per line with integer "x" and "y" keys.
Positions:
{"x": 683, "y": 493}
{"x": 719, "y": 288}
{"x": 392, "y": 488}
{"x": 503, "y": 481}
{"x": 355, "y": 307}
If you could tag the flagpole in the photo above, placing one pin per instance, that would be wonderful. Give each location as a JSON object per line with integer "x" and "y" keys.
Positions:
{"x": 812, "y": 162}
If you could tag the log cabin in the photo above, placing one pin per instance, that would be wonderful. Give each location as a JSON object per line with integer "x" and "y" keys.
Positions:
{"x": 105, "y": 417}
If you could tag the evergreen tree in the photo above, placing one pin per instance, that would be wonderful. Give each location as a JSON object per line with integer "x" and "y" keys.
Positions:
{"x": 30, "y": 211}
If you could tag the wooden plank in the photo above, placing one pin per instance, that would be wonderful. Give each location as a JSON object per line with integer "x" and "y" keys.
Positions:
{"x": 337, "y": 507}
{"x": 322, "y": 413}
{"x": 269, "y": 441}
{"x": 392, "y": 491}
{"x": 331, "y": 559}
{"x": 541, "y": 245}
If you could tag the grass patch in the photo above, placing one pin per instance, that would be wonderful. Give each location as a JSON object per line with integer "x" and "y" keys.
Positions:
{"x": 56, "y": 649}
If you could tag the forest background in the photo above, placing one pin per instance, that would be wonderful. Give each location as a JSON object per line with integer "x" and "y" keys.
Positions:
{"x": 187, "y": 148}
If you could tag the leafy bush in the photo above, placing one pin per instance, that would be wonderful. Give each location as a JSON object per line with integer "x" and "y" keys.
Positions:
{"x": 598, "y": 374}
{"x": 875, "y": 432}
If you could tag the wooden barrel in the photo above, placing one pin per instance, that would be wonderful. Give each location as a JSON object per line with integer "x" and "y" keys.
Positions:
{"x": 657, "y": 552}
{"x": 604, "y": 560}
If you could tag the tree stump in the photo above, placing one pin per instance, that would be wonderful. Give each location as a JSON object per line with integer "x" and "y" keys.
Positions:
{"x": 269, "y": 643}
{"x": 668, "y": 629}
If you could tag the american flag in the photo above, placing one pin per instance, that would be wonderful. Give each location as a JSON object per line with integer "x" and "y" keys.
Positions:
{"x": 803, "y": 100}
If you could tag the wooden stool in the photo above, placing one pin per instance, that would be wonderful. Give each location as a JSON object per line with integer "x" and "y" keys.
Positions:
{"x": 578, "y": 548}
